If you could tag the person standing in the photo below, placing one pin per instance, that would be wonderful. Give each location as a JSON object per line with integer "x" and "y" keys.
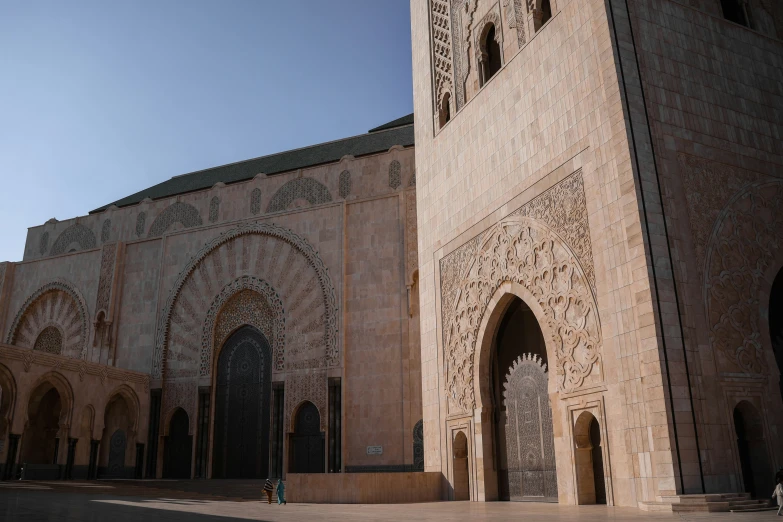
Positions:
{"x": 281, "y": 492}
{"x": 268, "y": 489}
{"x": 779, "y": 494}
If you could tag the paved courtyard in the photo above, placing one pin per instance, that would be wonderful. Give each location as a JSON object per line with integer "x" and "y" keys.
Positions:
{"x": 122, "y": 502}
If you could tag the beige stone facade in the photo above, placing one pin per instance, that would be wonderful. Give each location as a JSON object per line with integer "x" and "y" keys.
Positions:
{"x": 615, "y": 166}
{"x": 318, "y": 265}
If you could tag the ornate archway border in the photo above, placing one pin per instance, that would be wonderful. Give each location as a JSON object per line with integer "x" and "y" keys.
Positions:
{"x": 68, "y": 288}
{"x": 717, "y": 298}
{"x": 462, "y": 342}
{"x": 230, "y": 290}
{"x": 301, "y": 245}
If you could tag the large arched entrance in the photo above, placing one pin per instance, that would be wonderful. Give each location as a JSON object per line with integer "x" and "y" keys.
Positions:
{"x": 178, "y": 447}
{"x": 41, "y": 443}
{"x": 242, "y": 406}
{"x": 524, "y": 440}
{"x": 307, "y": 441}
{"x": 757, "y": 473}
{"x": 776, "y": 323}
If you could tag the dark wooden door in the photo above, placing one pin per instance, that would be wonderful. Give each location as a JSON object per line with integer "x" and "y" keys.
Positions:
{"x": 117, "y": 446}
{"x": 178, "y": 448}
{"x": 242, "y": 407}
{"x": 307, "y": 442}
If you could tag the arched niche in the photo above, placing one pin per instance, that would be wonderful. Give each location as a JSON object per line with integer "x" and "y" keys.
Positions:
{"x": 461, "y": 467}
{"x": 47, "y": 420}
{"x": 589, "y": 460}
{"x": 307, "y": 451}
{"x": 751, "y": 442}
{"x": 178, "y": 446}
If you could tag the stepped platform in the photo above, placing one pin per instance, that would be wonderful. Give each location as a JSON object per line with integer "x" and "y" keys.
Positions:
{"x": 707, "y": 503}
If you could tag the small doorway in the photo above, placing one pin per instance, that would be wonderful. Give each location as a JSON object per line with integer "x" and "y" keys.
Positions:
{"x": 41, "y": 444}
{"x": 757, "y": 474}
{"x": 178, "y": 447}
{"x": 591, "y": 484}
{"x": 307, "y": 441}
{"x": 461, "y": 473}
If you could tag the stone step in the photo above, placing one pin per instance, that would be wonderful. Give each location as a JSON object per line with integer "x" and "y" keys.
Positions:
{"x": 751, "y": 509}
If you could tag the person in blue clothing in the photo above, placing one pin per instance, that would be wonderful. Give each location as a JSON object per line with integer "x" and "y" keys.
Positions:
{"x": 281, "y": 492}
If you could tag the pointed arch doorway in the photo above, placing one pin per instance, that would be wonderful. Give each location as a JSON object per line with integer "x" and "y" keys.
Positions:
{"x": 524, "y": 437}
{"x": 243, "y": 389}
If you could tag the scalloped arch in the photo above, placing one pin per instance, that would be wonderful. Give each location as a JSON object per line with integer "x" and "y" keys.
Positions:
{"x": 55, "y": 303}
{"x": 289, "y": 254}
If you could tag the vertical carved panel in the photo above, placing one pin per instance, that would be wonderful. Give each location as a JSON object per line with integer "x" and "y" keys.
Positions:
{"x": 345, "y": 184}
{"x": 255, "y": 201}
{"x": 141, "y": 220}
{"x": 411, "y": 234}
{"x": 214, "y": 209}
{"x": 462, "y": 12}
{"x": 108, "y": 258}
{"x": 441, "y": 48}
{"x": 395, "y": 174}
{"x": 418, "y": 446}
{"x": 310, "y": 386}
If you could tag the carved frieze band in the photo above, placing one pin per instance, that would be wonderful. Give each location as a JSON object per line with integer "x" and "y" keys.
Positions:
{"x": 60, "y": 362}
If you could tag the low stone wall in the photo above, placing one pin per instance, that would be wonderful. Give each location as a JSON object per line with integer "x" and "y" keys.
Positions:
{"x": 364, "y": 488}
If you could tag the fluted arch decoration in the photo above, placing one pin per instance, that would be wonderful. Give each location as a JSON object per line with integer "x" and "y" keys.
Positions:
{"x": 246, "y": 301}
{"x": 744, "y": 244}
{"x": 59, "y": 304}
{"x": 286, "y": 262}
{"x": 522, "y": 251}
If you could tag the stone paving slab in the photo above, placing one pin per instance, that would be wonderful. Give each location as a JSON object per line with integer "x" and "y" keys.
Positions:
{"x": 79, "y": 502}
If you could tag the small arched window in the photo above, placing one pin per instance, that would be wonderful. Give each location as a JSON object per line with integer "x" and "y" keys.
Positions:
{"x": 445, "y": 110}
{"x": 491, "y": 56}
{"x": 734, "y": 11}
{"x": 546, "y": 11}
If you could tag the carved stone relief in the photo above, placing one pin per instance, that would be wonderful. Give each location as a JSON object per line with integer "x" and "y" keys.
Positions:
{"x": 180, "y": 394}
{"x": 462, "y": 13}
{"x": 395, "y": 174}
{"x": 441, "y": 49}
{"x": 76, "y": 233}
{"x": 708, "y": 188}
{"x": 286, "y": 262}
{"x": 50, "y": 340}
{"x": 108, "y": 258}
{"x": 529, "y": 253}
{"x": 255, "y": 201}
{"x": 564, "y": 209}
{"x": 214, "y": 209}
{"x": 141, "y": 219}
{"x": 515, "y": 14}
{"x": 745, "y": 241}
{"x": 246, "y": 301}
{"x": 308, "y": 189}
{"x": 345, "y": 184}
{"x": 43, "y": 244}
{"x": 178, "y": 212}
{"x": 306, "y": 386}
{"x": 105, "y": 230}
{"x": 54, "y": 304}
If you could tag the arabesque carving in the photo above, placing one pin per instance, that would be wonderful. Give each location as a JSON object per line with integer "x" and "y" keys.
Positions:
{"x": 108, "y": 258}
{"x": 523, "y": 251}
{"x": 743, "y": 245}
{"x": 441, "y": 48}
{"x": 76, "y": 233}
{"x": 178, "y": 212}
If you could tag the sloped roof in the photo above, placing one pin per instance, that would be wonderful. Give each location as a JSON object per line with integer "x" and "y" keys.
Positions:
{"x": 380, "y": 139}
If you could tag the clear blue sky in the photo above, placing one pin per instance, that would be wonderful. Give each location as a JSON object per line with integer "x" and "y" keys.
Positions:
{"x": 101, "y": 99}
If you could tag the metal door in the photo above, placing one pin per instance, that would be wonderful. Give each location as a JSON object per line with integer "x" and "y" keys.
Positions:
{"x": 117, "y": 446}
